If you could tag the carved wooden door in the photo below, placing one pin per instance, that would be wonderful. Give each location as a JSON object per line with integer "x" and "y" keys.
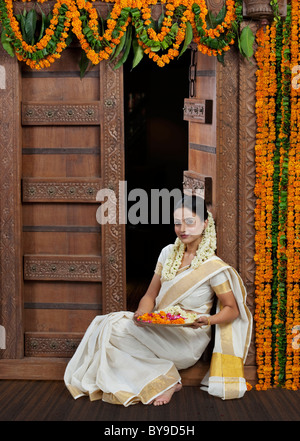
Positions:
{"x": 68, "y": 145}
{"x": 200, "y": 112}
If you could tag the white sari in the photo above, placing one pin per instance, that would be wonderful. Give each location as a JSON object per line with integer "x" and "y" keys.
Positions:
{"x": 122, "y": 363}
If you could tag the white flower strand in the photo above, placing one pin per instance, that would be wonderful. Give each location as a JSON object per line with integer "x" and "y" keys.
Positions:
{"x": 206, "y": 249}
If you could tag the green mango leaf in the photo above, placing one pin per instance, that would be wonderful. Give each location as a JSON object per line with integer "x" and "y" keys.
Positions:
{"x": 174, "y": 30}
{"x": 188, "y": 38}
{"x": 160, "y": 20}
{"x": 127, "y": 47}
{"x": 211, "y": 20}
{"x": 221, "y": 15}
{"x": 7, "y": 45}
{"x": 138, "y": 53}
{"x": 22, "y": 19}
{"x": 30, "y": 26}
{"x": 220, "y": 58}
{"x": 119, "y": 48}
{"x": 246, "y": 42}
{"x": 83, "y": 64}
{"x": 42, "y": 26}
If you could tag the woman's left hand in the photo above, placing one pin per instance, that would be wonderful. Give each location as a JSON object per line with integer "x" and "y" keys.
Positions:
{"x": 201, "y": 321}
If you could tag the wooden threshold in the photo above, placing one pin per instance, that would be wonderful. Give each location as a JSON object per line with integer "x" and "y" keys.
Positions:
{"x": 33, "y": 368}
{"x": 41, "y": 368}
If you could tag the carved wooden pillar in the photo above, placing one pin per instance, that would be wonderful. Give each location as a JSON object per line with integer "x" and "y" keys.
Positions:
{"x": 113, "y": 236}
{"x": 214, "y": 5}
{"x": 261, "y": 9}
{"x": 227, "y": 158}
{"x": 236, "y": 136}
{"x": 11, "y": 302}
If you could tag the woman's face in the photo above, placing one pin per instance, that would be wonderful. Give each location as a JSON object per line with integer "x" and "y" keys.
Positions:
{"x": 188, "y": 226}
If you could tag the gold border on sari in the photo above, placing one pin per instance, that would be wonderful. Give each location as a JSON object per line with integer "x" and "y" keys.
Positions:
{"x": 153, "y": 389}
{"x": 225, "y": 365}
{"x": 223, "y": 288}
{"x": 230, "y": 371}
{"x": 189, "y": 280}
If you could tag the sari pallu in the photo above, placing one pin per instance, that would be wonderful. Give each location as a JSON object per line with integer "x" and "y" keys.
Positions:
{"x": 122, "y": 363}
{"x": 225, "y": 378}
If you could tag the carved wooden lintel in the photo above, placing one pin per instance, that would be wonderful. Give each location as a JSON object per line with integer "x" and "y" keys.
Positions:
{"x": 104, "y": 8}
{"x": 64, "y": 267}
{"x": 51, "y": 344}
{"x": 197, "y": 110}
{"x": 60, "y": 113}
{"x": 60, "y": 190}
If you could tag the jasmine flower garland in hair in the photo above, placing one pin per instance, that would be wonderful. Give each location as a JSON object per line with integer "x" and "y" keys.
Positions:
{"x": 206, "y": 249}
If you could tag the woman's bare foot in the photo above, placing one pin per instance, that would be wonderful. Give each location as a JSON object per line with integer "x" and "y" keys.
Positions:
{"x": 166, "y": 396}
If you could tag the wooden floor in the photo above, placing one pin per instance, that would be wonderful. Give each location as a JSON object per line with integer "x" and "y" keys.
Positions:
{"x": 50, "y": 401}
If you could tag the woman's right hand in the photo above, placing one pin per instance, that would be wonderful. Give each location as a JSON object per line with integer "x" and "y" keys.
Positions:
{"x": 136, "y": 315}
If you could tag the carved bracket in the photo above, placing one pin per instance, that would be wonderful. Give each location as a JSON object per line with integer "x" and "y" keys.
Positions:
{"x": 195, "y": 183}
{"x": 199, "y": 111}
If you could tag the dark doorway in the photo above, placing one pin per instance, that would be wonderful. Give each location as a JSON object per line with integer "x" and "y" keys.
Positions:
{"x": 156, "y": 150}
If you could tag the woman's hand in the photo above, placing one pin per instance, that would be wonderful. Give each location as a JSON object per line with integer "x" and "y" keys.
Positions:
{"x": 137, "y": 313}
{"x": 227, "y": 314}
{"x": 201, "y": 321}
{"x": 147, "y": 302}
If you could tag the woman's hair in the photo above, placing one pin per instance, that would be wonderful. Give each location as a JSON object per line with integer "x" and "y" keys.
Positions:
{"x": 194, "y": 203}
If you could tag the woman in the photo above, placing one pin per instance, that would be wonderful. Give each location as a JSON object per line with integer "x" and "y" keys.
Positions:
{"x": 124, "y": 363}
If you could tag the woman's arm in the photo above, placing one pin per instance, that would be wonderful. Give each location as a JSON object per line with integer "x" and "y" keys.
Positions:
{"x": 147, "y": 302}
{"x": 227, "y": 314}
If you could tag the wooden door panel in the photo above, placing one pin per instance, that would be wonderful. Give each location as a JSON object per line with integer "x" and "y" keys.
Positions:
{"x": 201, "y": 175}
{"x": 69, "y": 146}
{"x": 62, "y": 173}
{"x": 73, "y": 164}
{"x": 53, "y": 318}
{"x": 67, "y": 137}
{"x": 81, "y": 293}
{"x": 66, "y": 89}
{"x": 61, "y": 243}
{"x": 83, "y": 215}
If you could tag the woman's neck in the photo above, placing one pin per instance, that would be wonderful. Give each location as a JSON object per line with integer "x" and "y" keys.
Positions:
{"x": 192, "y": 248}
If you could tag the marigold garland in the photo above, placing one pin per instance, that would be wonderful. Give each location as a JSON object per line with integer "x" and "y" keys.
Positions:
{"x": 293, "y": 225}
{"x": 81, "y": 17}
{"x": 50, "y": 46}
{"x": 277, "y": 218}
{"x": 284, "y": 138}
{"x": 265, "y": 96}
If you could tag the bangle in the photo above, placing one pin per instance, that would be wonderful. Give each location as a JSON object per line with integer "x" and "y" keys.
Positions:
{"x": 208, "y": 321}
